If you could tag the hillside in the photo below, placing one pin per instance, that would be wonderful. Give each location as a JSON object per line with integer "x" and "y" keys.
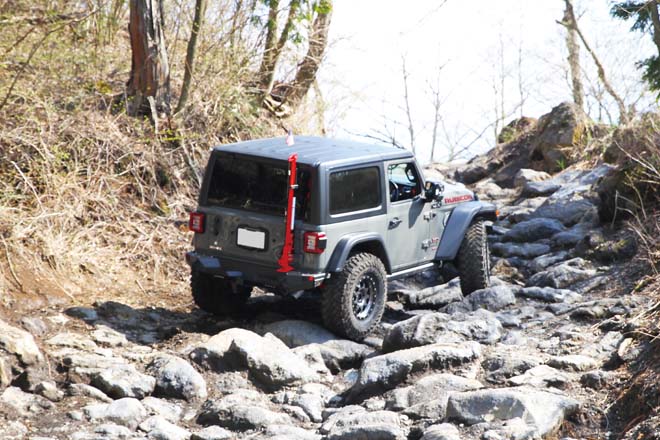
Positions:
{"x": 99, "y": 337}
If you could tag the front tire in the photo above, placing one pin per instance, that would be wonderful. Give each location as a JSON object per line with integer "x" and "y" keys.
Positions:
{"x": 354, "y": 299}
{"x": 473, "y": 259}
{"x": 215, "y": 295}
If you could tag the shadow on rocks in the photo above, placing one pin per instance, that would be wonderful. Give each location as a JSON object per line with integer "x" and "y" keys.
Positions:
{"x": 150, "y": 325}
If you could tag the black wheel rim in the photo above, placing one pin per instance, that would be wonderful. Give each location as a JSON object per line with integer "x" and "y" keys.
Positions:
{"x": 364, "y": 297}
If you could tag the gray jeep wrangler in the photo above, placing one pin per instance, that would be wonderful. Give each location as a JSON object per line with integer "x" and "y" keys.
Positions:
{"x": 337, "y": 217}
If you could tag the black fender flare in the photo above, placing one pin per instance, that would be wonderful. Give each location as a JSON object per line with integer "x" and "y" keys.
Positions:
{"x": 349, "y": 241}
{"x": 459, "y": 220}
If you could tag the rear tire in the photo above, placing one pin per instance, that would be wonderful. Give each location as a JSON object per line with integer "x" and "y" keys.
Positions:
{"x": 215, "y": 295}
{"x": 354, "y": 299}
{"x": 473, "y": 259}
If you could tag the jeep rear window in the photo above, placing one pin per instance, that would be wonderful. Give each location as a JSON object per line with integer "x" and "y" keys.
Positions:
{"x": 260, "y": 186}
{"x": 354, "y": 190}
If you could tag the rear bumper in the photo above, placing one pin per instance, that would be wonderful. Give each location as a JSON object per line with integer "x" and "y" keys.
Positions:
{"x": 256, "y": 275}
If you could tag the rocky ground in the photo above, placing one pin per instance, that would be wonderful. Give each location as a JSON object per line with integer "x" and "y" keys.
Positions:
{"x": 534, "y": 356}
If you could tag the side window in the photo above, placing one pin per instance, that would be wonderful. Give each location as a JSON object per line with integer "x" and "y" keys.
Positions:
{"x": 404, "y": 181}
{"x": 354, "y": 190}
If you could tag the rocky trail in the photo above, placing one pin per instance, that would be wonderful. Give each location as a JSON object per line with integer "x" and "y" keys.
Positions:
{"x": 534, "y": 356}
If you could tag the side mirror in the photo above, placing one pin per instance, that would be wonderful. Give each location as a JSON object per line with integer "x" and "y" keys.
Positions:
{"x": 433, "y": 192}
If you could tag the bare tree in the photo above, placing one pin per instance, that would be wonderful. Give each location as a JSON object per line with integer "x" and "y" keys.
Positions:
{"x": 406, "y": 102}
{"x": 308, "y": 68}
{"x": 569, "y": 22}
{"x": 437, "y": 101}
{"x": 623, "y": 112}
{"x": 200, "y": 9}
{"x": 149, "y": 85}
{"x": 275, "y": 43}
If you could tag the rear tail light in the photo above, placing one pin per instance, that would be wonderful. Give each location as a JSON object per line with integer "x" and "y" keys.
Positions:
{"x": 314, "y": 242}
{"x": 196, "y": 222}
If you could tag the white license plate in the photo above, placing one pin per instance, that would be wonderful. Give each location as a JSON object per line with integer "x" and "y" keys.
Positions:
{"x": 252, "y": 239}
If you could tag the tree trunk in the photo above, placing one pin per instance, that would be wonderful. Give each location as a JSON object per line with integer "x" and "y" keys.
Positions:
{"x": 655, "y": 18}
{"x": 150, "y": 76}
{"x": 318, "y": 41}
{"x": 623, "y": 112}
{"x": 200, "y": 9}
{"x": 573, "y": 55}
{"x": 274, "y": 45}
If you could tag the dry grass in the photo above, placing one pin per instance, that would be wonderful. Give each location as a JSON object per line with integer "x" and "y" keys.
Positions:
{"x": 92, "y": 202}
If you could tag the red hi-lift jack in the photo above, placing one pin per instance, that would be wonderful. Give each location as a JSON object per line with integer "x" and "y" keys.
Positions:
{"x": 287, "y": 252}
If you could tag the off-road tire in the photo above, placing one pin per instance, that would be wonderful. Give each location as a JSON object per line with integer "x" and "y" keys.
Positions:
{"x": 338, "y": 308}
{"x": 473, "y": 259}
{"x": 214, "y": 295}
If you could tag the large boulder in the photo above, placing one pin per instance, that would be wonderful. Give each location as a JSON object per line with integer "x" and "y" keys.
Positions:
{"x": 357, "y": 423}
{"x": 533, "y": 230}
{"x": 124, "y": 381}
{"x": 558, "y": 135}
{"x": 432, "y": 328}
{"x": 563, "y": 275}
{"x": 268, "y": 359}
{"x": 127, "y": 412}
{"x": 541, "y": 409}
{"x": 386, "y": 371}
{"x": 176, "y": 378}
{"x": 19, "y": 343}
{"x": 240, "y": 411}
{"x": 427, "y": 398}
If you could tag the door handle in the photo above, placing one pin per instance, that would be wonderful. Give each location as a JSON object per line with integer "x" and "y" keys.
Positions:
{"x": 396, "y": 221}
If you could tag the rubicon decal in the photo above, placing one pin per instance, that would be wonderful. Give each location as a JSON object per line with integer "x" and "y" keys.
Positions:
{"x": 457, "y": 199}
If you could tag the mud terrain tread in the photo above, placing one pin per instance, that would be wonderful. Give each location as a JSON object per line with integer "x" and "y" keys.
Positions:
{"x": 473, "y": 268}
{"x": 210, "y": 294}
{"x": 336, "y": 306}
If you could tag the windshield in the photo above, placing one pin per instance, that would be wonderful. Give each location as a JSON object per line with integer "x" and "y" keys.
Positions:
{"x": 241, "y": 182}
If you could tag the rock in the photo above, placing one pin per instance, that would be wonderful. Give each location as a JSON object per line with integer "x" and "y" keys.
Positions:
{"x": 285, "y": 432}
{"x": 539, "y": 189}
{"x": 269, "y": 360}
{"x": 212, "y": 433}
{"x": 526, "y": 175}
{"x": 432, "y": 297}
{"x": 386, "y": 371}
{"x": 295, "y": 333}
{"x": 48, "y": 389}
{"x": 159, "y": 407}
{"x": 72, "y": 340}
{"x": 521, "y": 210}
{"x": 236, "y": 412}
{"x": 35, "y": 326}
{"x": 597, "y": 379}
{"x": 24, "y": 403}
{"x": 5, "y": 373}
{"x": 80, "y": 389}
{"x": 568, "y": 209}
{"x": 439, "y": 327}
{"x": 443, "y": 431}
{"x": 533, "y": 230}
{"x": 558, "y": 133}
{"x": 158, "y": 428}
{"x": 427, "y": 398}
{"x": 15, "y": 430}
{"x": 176, "y": 378}
{"x": 112, "y": 431}
{"x": 509, "y": 362}
{"x": 360, "y": 424}
{"x": 563, "y": 275}
{"x": 19, "y": 343}
{"x": 541, "y": 409}
{"x": 87, "y": 314}
{"x": 542, "y": 262}
{"x": 489, "y": 190}
{"x": 108, "y": 337}
{"x": 542, "y": 376}
{"x": 492, "y": 298}
{"x": 523, "y": 250}
{"x": 549, "y": 294}
{"x": 127, "y": 412}
{"x": 341, "y": 354}
{"x": 573, "y": 362}
{"x": 124, "y": 381}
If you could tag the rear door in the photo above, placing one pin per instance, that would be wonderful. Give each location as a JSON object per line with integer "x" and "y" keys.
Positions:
{"x": 245, "y": 206}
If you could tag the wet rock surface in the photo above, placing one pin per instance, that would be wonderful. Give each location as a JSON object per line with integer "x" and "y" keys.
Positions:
{"x": 525, "y": 358}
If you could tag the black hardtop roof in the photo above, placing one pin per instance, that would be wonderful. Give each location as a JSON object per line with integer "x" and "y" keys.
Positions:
{"x": 313, "y": 150}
